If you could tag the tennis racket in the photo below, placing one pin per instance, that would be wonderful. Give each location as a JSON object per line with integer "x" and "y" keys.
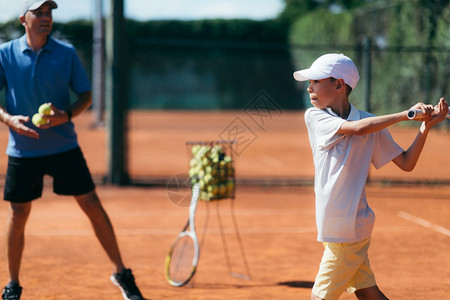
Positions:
{"x": 181, "y": 261}
{"x": 417, "y": 113}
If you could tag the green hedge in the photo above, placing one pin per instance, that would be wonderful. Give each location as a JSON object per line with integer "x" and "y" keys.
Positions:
{"x": 411, "y": 49}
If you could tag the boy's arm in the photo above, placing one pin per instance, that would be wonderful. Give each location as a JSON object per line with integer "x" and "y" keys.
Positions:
{"x": 377, "y": 123}
{"x": 408, "y": 159}
{"x": 372, "y": 124}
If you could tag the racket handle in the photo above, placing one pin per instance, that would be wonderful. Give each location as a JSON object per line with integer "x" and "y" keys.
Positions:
{"x": 416, "y": 113}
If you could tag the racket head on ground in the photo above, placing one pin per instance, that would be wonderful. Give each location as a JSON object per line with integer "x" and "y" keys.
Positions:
{"x": 181, "y": 261}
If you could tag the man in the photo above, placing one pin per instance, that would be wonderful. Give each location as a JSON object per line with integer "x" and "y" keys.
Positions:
{"x": 37, "y": 69}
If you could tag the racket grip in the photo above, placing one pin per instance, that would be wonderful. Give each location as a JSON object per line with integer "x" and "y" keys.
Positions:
{"x": 416, "y": 113}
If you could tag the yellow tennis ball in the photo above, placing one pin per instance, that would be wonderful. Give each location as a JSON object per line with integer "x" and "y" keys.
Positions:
{"x": 38, "y": 120}
{"x": 45, "y": 109}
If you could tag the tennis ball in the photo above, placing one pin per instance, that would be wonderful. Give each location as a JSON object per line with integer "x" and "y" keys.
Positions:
{"x": 208, "y": 178}
{"x": 214, "y": 156}
{"x": 202, "y": 184}
{"x": 230, "y": 172}
{"x": 230, "y": 186}
{"x": 45, "y": 109}
{"x": 195, "y": 149}
{"x": 38, "y": 120}
{"x": 194, "y": 171}
{"x": 214, "y": 189}
{"x": 203, "y": 151}
{"x": 217, "y": 148}
{"x": 222, "y": 189}
{"x": 204, "y": 196}
{"x": 206, "y": 161}
{"x": 211, "y": 170}
{"x": 222, "y": 173}
{"x": 193, "y": 162}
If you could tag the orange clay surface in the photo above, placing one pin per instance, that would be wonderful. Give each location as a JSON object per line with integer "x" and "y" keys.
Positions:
{"x": 63, "y": 259}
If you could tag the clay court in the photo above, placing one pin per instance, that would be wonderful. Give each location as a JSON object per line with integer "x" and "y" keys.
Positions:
{"x": 274, "y": 210}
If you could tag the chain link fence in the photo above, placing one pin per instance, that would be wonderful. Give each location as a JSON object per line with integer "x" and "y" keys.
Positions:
{"x": 171, "y": 74}
{"x": 178, "y": 74}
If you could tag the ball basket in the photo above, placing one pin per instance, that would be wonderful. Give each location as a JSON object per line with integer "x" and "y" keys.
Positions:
{"x": 212, "y": 166}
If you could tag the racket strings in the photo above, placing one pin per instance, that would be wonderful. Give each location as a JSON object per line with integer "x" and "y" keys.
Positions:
{"x": 181, "y": 261}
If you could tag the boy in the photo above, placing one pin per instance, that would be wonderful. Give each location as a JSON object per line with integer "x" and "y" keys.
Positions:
{"x": 344, "y": 141}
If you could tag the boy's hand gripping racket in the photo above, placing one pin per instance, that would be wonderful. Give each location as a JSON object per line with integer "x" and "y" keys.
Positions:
{"x": 181, "y": 261}
{"x": 417, "y": 113}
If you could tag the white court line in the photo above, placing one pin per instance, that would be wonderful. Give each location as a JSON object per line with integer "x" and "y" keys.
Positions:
{"x": 177, "y": 211}
{"x": 175, "y": 231}
{"x": 168, "y": 231}
{"x": 423, "y": 223}
{"x": 273, "y": 162}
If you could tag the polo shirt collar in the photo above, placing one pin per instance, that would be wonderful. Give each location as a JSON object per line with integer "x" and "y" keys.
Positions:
{"x": 48, "y": 47}
{"x": 353, "y": 115}
{"x": 23, "y": 43}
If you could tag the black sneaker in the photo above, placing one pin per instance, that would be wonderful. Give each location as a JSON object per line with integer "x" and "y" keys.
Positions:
{"x": 12, "y": 291}
{"x": 125, "y": 281}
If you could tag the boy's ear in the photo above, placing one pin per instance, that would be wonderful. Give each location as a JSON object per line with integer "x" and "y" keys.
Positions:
{"x": 340, "y": 84}
{"x": 22, "y": 20}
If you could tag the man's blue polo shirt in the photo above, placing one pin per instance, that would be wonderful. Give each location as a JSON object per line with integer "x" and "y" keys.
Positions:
{"x": 31, "y": 79}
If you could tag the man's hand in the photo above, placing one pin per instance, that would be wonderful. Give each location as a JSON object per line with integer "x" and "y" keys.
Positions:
{"x": 16, "y": 124}
{"x": 56, "y": 118}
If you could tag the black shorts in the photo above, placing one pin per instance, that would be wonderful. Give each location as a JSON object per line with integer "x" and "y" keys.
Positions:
{"x": 25, "y": 176}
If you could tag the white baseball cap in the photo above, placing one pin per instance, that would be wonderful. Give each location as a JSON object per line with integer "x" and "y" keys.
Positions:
{"x": 333, "y": 65}
{"x": 35, "y": 4}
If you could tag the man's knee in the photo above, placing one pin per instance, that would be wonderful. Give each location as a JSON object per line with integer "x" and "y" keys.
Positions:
{"x": 89, "y": 201}
{"x": 91, "y": 205}
{"x": 19, "y": 212}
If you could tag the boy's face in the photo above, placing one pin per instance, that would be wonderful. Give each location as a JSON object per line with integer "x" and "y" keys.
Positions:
{"x": 322, "y": 93}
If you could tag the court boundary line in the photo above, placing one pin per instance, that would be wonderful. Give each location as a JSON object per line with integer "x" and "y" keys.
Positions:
{"x": 422, "y": 222}
{"x": 174, "y": 231}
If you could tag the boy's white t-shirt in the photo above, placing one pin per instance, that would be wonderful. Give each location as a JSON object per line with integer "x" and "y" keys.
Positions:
{"x": 342, "y": 165}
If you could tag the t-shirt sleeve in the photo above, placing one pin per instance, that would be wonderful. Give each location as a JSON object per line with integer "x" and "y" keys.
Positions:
{"x": 324, "y": 127}
{"x": 385, "y": 149}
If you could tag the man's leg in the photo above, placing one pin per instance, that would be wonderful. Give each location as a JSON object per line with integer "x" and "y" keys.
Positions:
{"x": 91, "y": 205}
{"x": 15, "y": 237}
{"x": 371, "y": 293}
{"x": 123, "y": 278}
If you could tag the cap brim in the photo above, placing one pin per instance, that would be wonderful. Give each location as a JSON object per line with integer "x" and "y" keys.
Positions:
{"x": 36, "y": 5}
{"x": 309, "y": 74}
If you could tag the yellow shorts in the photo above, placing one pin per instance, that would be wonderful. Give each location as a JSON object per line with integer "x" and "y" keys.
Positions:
{"x": 344, "y": 266}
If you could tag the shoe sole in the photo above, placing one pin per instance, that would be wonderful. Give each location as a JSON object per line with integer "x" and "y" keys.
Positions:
{"x": 120, "y": 287}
